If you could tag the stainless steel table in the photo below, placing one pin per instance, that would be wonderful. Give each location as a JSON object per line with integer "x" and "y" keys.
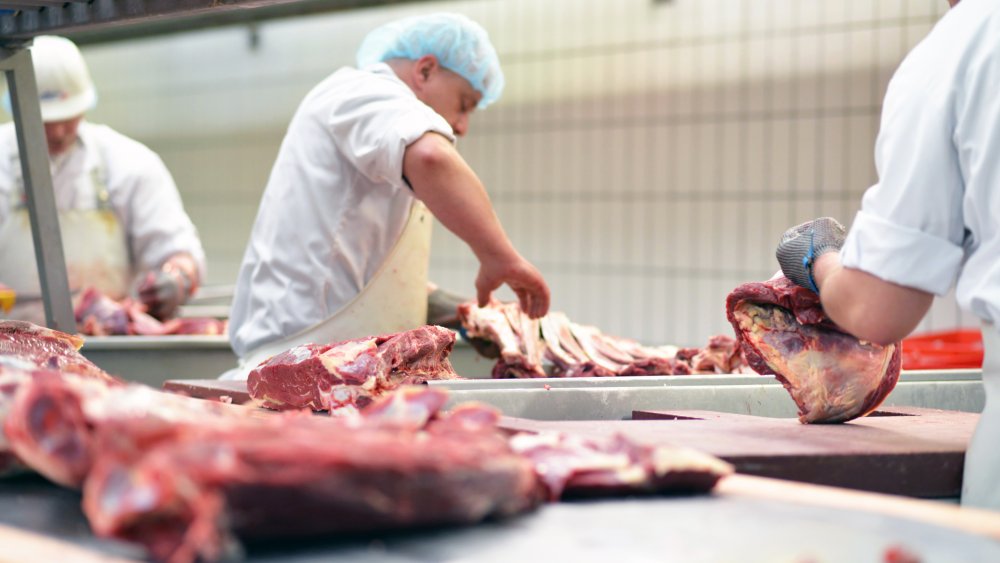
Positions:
{"x": 155, "y": 359}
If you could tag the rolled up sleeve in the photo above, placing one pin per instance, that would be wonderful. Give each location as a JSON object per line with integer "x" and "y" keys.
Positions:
{"x": 373, "y": 129}
{"x": 910, "y": 229}
{"x": 901, "y": 254}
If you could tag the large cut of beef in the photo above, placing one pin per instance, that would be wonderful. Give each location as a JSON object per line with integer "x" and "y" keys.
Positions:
{"x": 832, "y": 376}
{"x": 404, "y": 463}
{"x": 46, "y": 348}
{"x": 186, "y": 477}
{"x": 99, "y": 315}
{"x": 302, "y": 476}
{"x": 350, "y": 374}
{"x": 553, "y": 346}
{"x": 50, "y": 420}
{"x": 28, "y": 350}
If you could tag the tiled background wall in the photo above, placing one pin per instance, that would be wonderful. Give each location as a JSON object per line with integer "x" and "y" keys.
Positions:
{"x": 646, "y": 154}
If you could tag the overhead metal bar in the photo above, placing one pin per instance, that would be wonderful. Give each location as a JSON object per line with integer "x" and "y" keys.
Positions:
{"x": 94, "y": 21}
{"x": 41, "y": 203}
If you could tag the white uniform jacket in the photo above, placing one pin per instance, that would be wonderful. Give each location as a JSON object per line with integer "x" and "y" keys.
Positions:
{"x": 934, "y": 216}
{"x": 136, "y": 183}
{"x": 334, "y": 205}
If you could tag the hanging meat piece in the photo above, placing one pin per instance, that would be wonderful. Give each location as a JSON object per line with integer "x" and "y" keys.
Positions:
{"x": 832, "y": 376}
{"x": 350, "y": 374}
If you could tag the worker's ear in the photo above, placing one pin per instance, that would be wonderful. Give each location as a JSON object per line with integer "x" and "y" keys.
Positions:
{"x": 424, "y": 69}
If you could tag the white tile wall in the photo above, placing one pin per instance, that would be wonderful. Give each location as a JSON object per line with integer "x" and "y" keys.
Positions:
{"x": 646, "y": 154}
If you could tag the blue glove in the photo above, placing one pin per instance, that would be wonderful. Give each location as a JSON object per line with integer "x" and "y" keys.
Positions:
{"x": 801, "y": 245}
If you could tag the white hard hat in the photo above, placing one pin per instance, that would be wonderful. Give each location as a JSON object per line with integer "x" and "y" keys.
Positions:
{"x": 65, "y": 89}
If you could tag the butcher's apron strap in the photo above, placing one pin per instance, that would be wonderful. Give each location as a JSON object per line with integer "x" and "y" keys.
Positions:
{"x": 981, "y": 478}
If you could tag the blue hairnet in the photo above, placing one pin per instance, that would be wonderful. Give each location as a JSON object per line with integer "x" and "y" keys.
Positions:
{"x": 460, "y": 45}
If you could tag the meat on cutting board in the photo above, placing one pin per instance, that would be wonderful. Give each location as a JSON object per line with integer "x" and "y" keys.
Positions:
{"x": 350, "y": 374}
{"x": 554, "y": 346}
{"x": 832, "y": 376}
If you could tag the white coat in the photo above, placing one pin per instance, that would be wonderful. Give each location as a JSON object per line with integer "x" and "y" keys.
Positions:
{"x": 334, "y": 207}
{"x": 934, "y": 217}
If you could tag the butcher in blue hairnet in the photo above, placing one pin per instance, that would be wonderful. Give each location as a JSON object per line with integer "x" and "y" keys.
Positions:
{"x": 341, "y": 243}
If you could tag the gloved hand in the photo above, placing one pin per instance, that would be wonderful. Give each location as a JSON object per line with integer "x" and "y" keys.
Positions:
{"x": 801, "y": 245}
{"x": 164, "y": 290}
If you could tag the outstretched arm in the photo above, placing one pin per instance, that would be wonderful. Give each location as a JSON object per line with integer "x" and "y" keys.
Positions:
{"x": 452, "y": 191}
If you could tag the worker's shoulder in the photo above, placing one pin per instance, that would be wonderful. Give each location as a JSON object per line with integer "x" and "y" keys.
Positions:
{"x": 971, "y": 26}
{"x": 377, "y": 82}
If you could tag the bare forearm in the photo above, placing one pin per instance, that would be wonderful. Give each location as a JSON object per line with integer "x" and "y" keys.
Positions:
{"x": 868, "y": 307}
{"x": 453, "y": 192}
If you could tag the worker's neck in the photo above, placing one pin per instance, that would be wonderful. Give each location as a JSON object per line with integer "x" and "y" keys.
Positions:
{"x": 403, "y": 69}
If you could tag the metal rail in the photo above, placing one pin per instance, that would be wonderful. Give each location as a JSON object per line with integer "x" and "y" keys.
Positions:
{"x": 20, "y": 21}
{"x": 91, "y": 21}
{"x": 41, "y": 203}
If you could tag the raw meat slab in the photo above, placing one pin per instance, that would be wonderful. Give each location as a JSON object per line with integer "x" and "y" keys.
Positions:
{"x": 908, "y": 451}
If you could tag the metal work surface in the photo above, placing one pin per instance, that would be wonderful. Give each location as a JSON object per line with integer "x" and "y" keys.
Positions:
{"x": 637, "y": 529}
{"x": 616, "y": 397}
{"x": 155, "y": 359}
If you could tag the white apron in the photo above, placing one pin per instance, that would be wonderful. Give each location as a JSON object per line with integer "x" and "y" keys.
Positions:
{"x": 395, "y": 299}
{"x": 94, "y": 246}
{"x": 981, "y": 481}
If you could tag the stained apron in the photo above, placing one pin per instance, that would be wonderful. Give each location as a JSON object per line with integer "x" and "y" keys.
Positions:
{"x": 395, "y": 299}
{"x": 94, "y": 245}
{"x": 981, "y": 480}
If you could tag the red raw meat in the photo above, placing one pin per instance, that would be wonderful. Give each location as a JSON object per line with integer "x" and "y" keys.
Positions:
{"x": 99, "y": 315}
{"x": 187, "y": 497}
{"x": 28, "y": 351}
{"x": 185, "y": 477}
{"x": 46, "y": 348}
{"x": 50, "y": 419}
{"x": 352, "y": 373}
{"x": 832, "y": 376}
{"x": 553, "y": 346}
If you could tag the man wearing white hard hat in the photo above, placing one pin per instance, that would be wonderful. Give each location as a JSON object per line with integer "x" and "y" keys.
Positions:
{"x": 122, "y": 222}
{"x": 341, "y": 242}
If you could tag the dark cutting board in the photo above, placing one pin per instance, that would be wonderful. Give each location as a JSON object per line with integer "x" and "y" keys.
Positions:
{"x": 900, "y": 450}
